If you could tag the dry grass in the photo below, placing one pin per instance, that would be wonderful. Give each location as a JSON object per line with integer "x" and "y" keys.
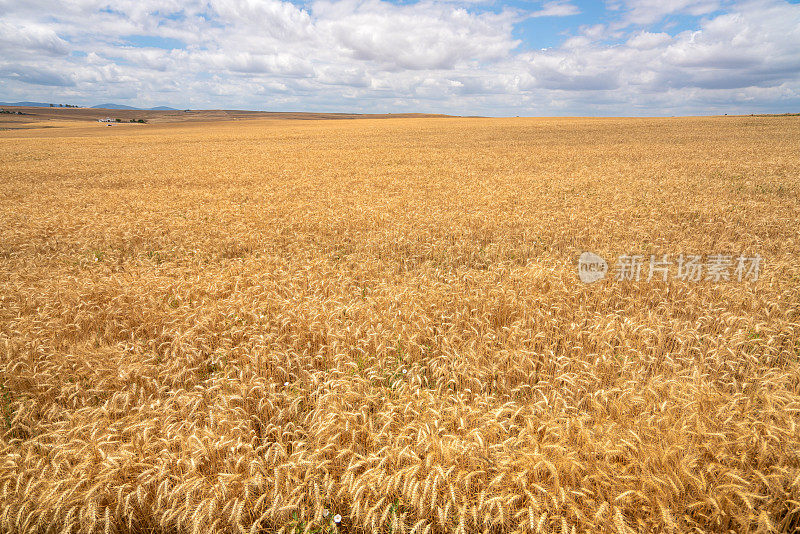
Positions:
{"x": 234, "y": 327}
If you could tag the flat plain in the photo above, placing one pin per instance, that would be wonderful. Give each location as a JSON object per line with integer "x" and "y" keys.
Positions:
{"x": 378, "y": 326}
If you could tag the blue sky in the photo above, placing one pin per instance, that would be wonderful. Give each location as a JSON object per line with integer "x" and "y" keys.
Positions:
{"x": 518, "y": 57}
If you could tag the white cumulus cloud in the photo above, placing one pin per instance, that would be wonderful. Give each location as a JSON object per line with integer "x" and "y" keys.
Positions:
{"x": 452, "y": 56}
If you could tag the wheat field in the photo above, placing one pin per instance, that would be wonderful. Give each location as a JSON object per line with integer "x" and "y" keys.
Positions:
{"x": 378, "y": 326}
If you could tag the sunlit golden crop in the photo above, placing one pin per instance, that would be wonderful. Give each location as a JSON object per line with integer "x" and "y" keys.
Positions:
{"x": 261, "y": 325}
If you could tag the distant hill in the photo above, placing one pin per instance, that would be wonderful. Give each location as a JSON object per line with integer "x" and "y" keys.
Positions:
{"x": 122, "y": 106}
{"x": 101, "y": 106}
{"x": 112, "y": 106}
{"x": 26, "y": 104}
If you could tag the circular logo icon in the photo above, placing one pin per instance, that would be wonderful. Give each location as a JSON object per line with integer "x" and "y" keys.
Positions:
{"x": 591, "y": 267}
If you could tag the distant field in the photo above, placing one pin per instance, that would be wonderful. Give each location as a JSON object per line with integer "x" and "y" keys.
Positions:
{"x": 262, "y": 325}
{"x": 36, "y": 117}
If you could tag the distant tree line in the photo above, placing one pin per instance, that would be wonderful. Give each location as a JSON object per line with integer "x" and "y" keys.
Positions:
{"x": 140, "y": 121}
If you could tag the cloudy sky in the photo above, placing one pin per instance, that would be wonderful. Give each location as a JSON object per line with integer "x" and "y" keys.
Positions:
{"x": 487, "y": 57}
